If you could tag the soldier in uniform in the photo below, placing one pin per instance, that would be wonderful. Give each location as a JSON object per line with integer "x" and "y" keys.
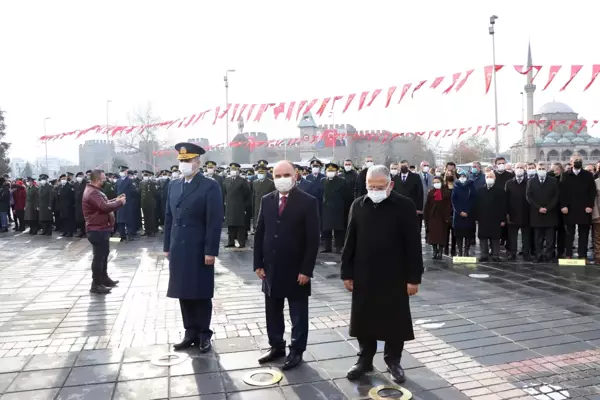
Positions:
{"x": 163, "y": 188}
{"x": 148, "y": 193}
{"x": 193, "y": 222}
{"x": 66, "y": 205}
{"x": 79, "y": 186}
{"x": 31, "y": 207}
{"x": 316, "y": 177}
{"x": 260, "y": 188}
{"x": 175, "y": 172}
{"x": 212, "y": 173}
{"x": 45, "y": 199}
{"x": 125, "y": 217}
{"x": 108, "y": 187}
{"x": 336, "y": 197}
{"x": 137, "y": 207}
{"x": 237, "y": 193}
{"x": 57, "y": 185}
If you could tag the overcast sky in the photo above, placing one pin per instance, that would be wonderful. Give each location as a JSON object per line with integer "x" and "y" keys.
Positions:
{"x": 63, "y": 59}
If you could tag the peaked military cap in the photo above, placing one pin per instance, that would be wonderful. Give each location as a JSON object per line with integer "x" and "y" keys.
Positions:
{"x": 187, "y": 151}
{"x": 53, "y": 181}
{"x": 79, "y": 174}
{"x": 165, "y": 171}
{"x": 261, "y": 168}
{"x": 262, "y": 163}
{"x": 70, "y": 174}
{"x": 317, "y": 163}
{"x": 210, "y": 164}
{"x": 30, "y": 179}
{"x": 43, "y": 176}
{"x": 235, "y": 165}
{"x": 110, "y": 175}
{"x": 332, "y": 167}
{"x": 62, "y": 176}
{"x": 174, "y": 168}
{"x": 89, "y": 171}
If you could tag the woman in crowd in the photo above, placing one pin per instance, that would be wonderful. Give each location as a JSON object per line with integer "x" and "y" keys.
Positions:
{"x": 449, "y": 180}
{"x": 463, "y": 200}
{"x": 437, "y": 214}
{"x": 20, "y": 198}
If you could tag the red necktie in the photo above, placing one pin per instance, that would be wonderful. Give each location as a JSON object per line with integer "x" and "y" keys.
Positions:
{"x": 282, "y": 204}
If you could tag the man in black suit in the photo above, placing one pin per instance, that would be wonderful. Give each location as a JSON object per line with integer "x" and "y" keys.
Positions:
{"x": 542, "y": 196}
{"x": 517, "y": 210}
{"x": 409, "y": 184}
{"x": 286, "y": 244}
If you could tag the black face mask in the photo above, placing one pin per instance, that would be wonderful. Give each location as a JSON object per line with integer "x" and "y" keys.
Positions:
{"x": 577, "y": 164}
{"x": 404, "y": 169}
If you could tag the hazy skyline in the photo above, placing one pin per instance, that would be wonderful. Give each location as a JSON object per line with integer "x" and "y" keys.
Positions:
{"x": 64, "y": 59}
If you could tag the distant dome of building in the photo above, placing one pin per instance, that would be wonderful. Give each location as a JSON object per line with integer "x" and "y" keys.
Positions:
{"x": 553, "y": 135}
{"x": 555, "y": 107}
{"x": 548, "y": 140}
{"x": 578, "y": 140}
{"x": 564, "y": 141}
{"x": 569, "y": 135}
{"x": 593, "y": 140}
{"x": 538, "y": 140}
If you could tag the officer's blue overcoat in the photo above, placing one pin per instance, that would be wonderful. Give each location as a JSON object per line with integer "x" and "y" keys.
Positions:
{"x": 125, "y": 214}
{"x": 193, "y": 223}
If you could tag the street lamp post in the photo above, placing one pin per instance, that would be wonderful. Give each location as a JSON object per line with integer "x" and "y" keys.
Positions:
{"x": 107, "y": 137}
{"x": 46, "y": 144}
{"x": 493, "y": 19}
{"x": 226, "y": 79}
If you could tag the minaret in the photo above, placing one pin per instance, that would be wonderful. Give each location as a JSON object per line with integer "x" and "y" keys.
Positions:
{"x": 529, "y": 140}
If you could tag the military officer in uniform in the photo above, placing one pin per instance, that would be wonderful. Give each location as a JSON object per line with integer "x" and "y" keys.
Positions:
{"x": 66, "y": 199}
{"x": 108, "y": 187}
{"x": 57, "y": 185}
{"x": 163, "y": 188}
{"x": 175, "y": 172}
{"x": 45, "y": 199}
{"x": 137, "y": 208}
{"x": 79, "y": 186}
{"x": 193, "y": 222}
{"x": 261, "y": 187}
{"x": 125, "y": 217}
{"x": 31, "y": 207}
{"x": 336, "y": 197}
{"x": 237, "y": 193}
{"x": 148, "y": 201}
{"x": 316, "y": 177}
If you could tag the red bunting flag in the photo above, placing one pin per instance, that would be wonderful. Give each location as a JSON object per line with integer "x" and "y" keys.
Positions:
{"x": 349, "y": 101}
{"x": 454, "y": 80}
{"x": 310, "y": 106}
{"x": 488, "y": 72}
{"x": 574, "y": 71}
{"x": 290, "y": 111}
{"x": 241, "y": 114}
{"x": 336, "y": 98}
{"x": 361, "y": 102}
{"x": 250, "y": 112}
{"x": 553, "y": 71}
{"x": 225, "y": 111}
{"x": 390, "y": 93}
{"x": 233, "y": 114}
{"x": 373, "y": 96}
{"x": 519, "y": 69}
{"x": 278, "y": 110}
{"x": 464, "y": 80}
{"x": 595, "y": 72}
{"x": 404, "y": 91}
{"x": 190, "y": 120}
{"x": 436, "y": 82}
{"x": 261, "y": 111}
{"x": 300, "y": 107}
{"x": 323, "y": 106}
{"x": 417, "y": 88}
{"x": 216, "y": 114}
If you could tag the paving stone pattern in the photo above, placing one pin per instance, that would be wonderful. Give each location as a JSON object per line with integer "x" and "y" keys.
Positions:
{"x": 528, "y": 331}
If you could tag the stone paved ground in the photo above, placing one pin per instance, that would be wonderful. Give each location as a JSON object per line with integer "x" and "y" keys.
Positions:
{"x": 492, "y": 331}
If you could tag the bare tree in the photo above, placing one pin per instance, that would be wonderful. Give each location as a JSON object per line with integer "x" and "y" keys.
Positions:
{"x": 475, "y": 148}
{"x": 142, "y": 142}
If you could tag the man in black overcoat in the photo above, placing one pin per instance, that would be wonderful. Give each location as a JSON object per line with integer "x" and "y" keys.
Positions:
{"x": 79, "y": 186}
{"x": 382, "y": 265}
{"x": 360, "y": 188}
{"x": 517, "y": 213}
{"x": 577, "y": 194}
{"x": 490, "y": 214}
{"x": 67, "y": 205}
{"x": 410, "y": 185}
{"x": 542, "y": 196}
{"x": 238, "y": 197}
{"x": 286, "y": 244}
{"x": 336, "y": 198}
{"x": 502, "y": 176}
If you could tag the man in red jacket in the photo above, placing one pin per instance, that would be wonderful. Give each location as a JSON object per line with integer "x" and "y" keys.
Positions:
{"x": 98, "y": 213}
{"x": 20, "y": 198}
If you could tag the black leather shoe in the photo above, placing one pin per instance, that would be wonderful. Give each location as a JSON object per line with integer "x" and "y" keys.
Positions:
{"x": 358, "y": 370}
{"x": 109, "y": 282}
{"x": 186, "y": 343}
{"x": 99, "y": 289}
{"x": 397, "y": 372}
{"x": 484, "y": 259}
{"x": 273, "y": 354}
{"x": 205, "y": 345}
{"x": 292, "y": 361}
{"x": 229, "y": 246}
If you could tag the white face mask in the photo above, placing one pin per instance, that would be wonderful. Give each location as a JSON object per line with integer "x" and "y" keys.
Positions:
{"x": 437, "y": 185}
{"x": 63, "y": 181}
{"x": 438, "y": 173}
{"x": 284, "y": 185}
{"x": 462, "y": 179}
{"x": 377, "y": 196}
{"x": 316, "y": 170}
{"x": 146, "y": 178}
{"x": 79, "y": 179}
{"x": 542, "y": 173}
{"x": 261, "y": 176}
{"x": 186, "y": 168}
{"x": 330, "y": 174}
{"x": 501, "y": 167}
{"x": 233, "y": 173}
{"x": 369, "y": 164}
{"x": 43, "y": 182}
{"x": 394, "y": 171}
{"x": 426, "y": 169}
{"x": 210, "y": 171}
{"x": 490, "y": 181}
{"x": 348, "y": 168}
{"x": 531, "y": 172}
{"x": 114, "y": 180}
{"x": 519, "y": 172}
{"x": 175, "y": 175}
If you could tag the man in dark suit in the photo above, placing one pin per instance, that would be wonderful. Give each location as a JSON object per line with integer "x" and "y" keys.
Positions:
{"x": 125, "y": 214}
{"x": 542, "y": 196}
{"x": 286, "y": 244}
{"x": 517, "y": 211}
{"x": 408, "y": 184}
{"x": 193, "y": 223}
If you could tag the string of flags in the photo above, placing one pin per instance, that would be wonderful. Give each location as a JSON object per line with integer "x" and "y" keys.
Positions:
{"x": 330, "y": 137}
{"x": 365, "y": 99}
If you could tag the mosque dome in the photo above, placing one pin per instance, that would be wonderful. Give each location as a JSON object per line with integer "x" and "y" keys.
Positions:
{"x": 538, "y": 140}
{"x": 569, "y": 135}
{"x": 553, "y": 135}
{"x": 555, "y": 107}
{"x": 564, "y": 141}
{"x": 578, "y": 140}
{"x": 548, "y": 140}
{"x": 593, "y": 140}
